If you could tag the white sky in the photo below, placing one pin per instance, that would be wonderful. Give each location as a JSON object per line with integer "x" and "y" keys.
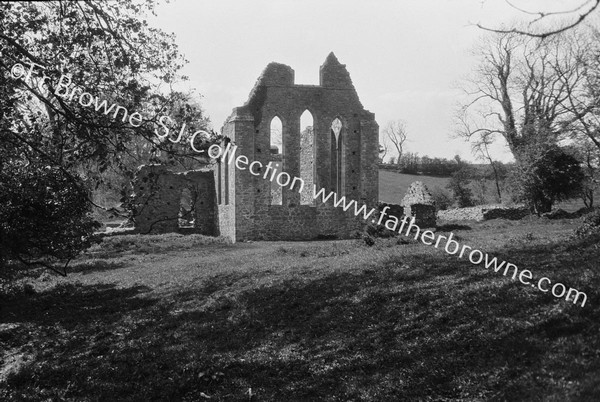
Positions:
{"x": 405, "y": 57}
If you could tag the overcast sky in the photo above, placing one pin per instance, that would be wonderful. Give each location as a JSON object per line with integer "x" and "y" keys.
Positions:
{"x": 405, "y": 57}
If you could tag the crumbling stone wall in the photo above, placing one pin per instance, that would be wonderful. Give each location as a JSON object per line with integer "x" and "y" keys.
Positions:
{"x": 157, "y": 196}
{"x": 461, "y": 214}
{"x": 484, "y": 213}
{"x": 248, "y": 213}
{"x": 419, "y": 203}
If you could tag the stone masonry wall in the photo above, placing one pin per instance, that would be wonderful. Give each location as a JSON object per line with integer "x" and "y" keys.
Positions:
{"x": 307, "y": 165}
{"x": 157, "y": 195}
{"x": 484, "y": 212}
{"x": 276, "y": 95}
{"x": 419, "y": 203}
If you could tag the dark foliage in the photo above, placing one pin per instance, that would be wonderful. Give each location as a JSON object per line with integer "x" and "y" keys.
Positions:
{"x": 545, "y": 177}
{"x": 443, "y": 199}
{"x": 459, "y": 185}
{"x": 590, "y": 225}
{"x": 42, "y": 215}
{"x": 53, "y": 148}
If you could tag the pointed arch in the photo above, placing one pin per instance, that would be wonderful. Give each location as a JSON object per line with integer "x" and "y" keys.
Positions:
{"x": 276, "y": 136}
{"x": 338, "y": 159}
{"x": 307, "y": 157}
{"x": 275, "y": 158}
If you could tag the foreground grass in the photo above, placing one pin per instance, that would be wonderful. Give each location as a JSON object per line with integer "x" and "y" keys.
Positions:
{"x": 176, "y": 318}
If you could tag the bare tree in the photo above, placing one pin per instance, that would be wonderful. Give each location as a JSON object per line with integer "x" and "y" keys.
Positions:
{"x": 521, "y": 91}
{"x": 583, "y": 102}
{"x": 589, "y": 155}
{"x": 482, "y": 150}
{"x": 395, "y": 131}
{"x": 383, "y": 150}
{"x": 570, "y": 18}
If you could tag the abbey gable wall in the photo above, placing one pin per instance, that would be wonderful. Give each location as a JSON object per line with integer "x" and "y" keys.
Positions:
{"x": 343, "y": 152}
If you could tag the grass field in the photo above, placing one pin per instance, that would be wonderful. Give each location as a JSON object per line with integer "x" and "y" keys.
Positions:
{"x": 175, "y": 317}
{"x": 393, "y": 186}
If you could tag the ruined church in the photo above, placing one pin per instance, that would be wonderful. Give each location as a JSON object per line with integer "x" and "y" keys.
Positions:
{"x": 338, "y": 153}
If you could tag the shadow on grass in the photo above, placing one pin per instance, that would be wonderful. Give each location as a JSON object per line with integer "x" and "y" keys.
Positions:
{"x": 420, "y": 327}
{"x": 87, "y": 267}
{"x": 451, "y": 227}
{"x": 73, "y": 305}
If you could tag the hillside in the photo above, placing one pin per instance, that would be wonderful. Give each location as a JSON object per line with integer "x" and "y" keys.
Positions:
{"x": 393, "y": 186}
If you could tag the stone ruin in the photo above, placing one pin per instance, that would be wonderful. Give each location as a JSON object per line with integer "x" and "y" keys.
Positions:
{"x": 419, "y": 203}
{"x": 162, "y": 199}
{"x": 339, "y": 153}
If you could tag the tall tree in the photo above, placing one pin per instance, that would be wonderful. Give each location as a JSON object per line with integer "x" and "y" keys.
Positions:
{"x": 535, "y": 94}
{"x": 106, "y": 50}
{"x": 521, "y": 91}
{"x": 395, "y": 132}
{"x": 481, "y": 149}
{"x": 383, "y": 150}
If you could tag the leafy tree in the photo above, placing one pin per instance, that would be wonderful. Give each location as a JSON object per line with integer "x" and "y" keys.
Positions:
{"x": 589, "y": 157}
{"x": 42, "y": 219}
{"x": 443, "y": 199}
{"x": 534, "y": 93}
{"x": 459, "y": 185}
{"x": 547, "y": 176}
{"x": 106, "y": 49}
{"x": 591, "y": 182}
{"x": 409, "y": 163}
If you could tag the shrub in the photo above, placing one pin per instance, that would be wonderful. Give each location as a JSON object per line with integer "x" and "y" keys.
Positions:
{"x": 546, "y": 176}
{"x": 459, "y": 185}
{"x": 443, "y": 199}
{"x": 590, "y": 225}
{"x": 44, "y": 216}
{"x": 374, "y": 230}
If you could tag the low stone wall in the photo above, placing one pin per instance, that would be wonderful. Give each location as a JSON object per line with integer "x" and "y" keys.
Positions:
{"x": 461, "y": 214}
{"x": 483, "y": 213}
{"x": 510, "y": 213}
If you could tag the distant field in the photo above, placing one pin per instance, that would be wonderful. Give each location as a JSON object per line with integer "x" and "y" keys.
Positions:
{"x": 393, "y": 186}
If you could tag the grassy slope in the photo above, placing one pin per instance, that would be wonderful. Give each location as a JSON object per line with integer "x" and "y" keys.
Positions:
{"x": 393, "y": 186}
{"x": 166, "y": 318}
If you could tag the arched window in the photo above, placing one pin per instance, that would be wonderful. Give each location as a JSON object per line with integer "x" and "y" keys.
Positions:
{"x": 307, "y": 158}
{"x": 337, "y": 157}
{"x": 276, "y": 159}
{"x": 276, "y": 137}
